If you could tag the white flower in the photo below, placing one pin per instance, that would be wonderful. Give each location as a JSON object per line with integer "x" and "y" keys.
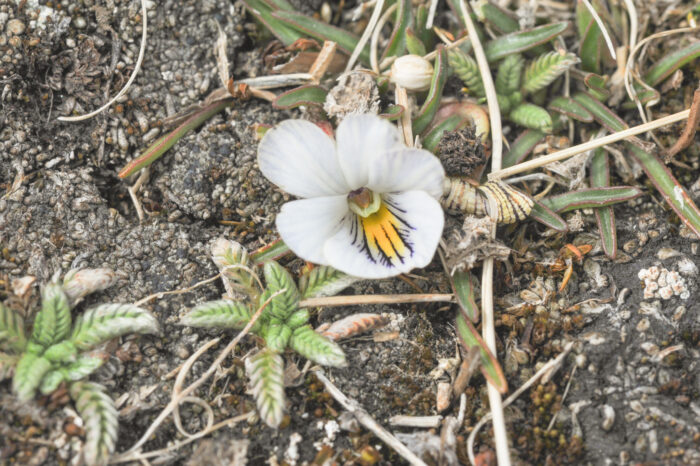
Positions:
{"x": 370, "y": 204}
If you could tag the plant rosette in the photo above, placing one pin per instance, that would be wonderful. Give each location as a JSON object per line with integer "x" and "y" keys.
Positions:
{"x": 369, "y": 204}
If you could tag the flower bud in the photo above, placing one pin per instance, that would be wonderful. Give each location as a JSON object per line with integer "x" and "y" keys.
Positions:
{"x": 412, "y": 72}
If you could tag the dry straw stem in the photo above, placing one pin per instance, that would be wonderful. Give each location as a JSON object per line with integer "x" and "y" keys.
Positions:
{"x": 631, "y": 92}
{"x": 375, "y": 37}
{"x": 544, "y": 370}
{"x": 586, "y": 146}
{"x": 371, "y": 25}
{"x": 277, "y": 80}
{"x": 401, "y": 98}
{"x": 368, "y": 422}
{"x": 323, "y": 61}
{"x": 142, "y": 51}
{"x": 179, "y": 396}
{"x": 335, "y": 301}
{"x": 488, "y": 327}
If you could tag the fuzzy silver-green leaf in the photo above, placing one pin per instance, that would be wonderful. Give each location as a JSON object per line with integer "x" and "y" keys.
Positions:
{"x": 52, "y": 323}
{"x": 232, "y": 260}
{"x": 276, "y": 279}
{"x": 317, "y": 348}
{"x": 100, "y": 419}
{"x": 30, "y": 369}
{"x": 223, "y": 313}
{"x": 277, "y": 336}
{"x": 532, "y": 116}
{"x": 60, "y": 352}
{"x": 297, "y": 319}
{"x": 51, "y": 381}
{"x": 508, "y": 76}
{"x": 543, "y": 70}
{"x": 11, "y": 330}
{"x": 85, "y": 365}
{"x": 324, "y": 280}
{"x": 466, "y": 68}
{"x": 108, "y": 321}
{"x": 265, "y": 370}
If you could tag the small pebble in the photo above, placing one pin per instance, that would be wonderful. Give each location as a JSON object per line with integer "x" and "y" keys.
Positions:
{"x": 608, "y": 418}
{"x": 80, "y": 22}
{"x": 15, "y": 27}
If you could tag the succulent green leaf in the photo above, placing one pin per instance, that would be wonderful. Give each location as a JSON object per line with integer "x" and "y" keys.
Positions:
{"x": 543, "y": 70}
{"x": 466, "y": 69}
{"x": 52, "y": 323}
{"x": 548, "y": 217}
{"x": 298, "y": 319}
{"x": 232, "y": 260}
{"x": 308, "y": 94}
{"x": 61, "y": 352}
{"x": 30, "y": 369}
{"x": 520, "y": 41}
{"x": 490, "y": 367}
{"x": 277, "y": 278}
{"x": 324, "y": 280}
{"x": 265, "y": 370}
{"x": 218, "y": 314}
{"x": 263, "y": 13}
{"x": 100, "y": 419}
{"x": 108, "y": 321}
{"x": 397, "y": 40}
{"x": 591, "y": 197}
{"x": 11, "y": 330}
{"x": 508, "y": 76}
{"x": 671, "y": 62}
{"x": 532, "y": 116}
{"x": 414, "y": 45}
{"x": 277, "y": 336}
{"x": 522, "y": 147}
{"x": 463, "y": 288}
{"x": 605, "y": 216}
{"x": 569, "y": 107}
{"x": 51, "y": 381}
{"x": 432, "y": 102}
{"x": 317, "y": 348}
{"x": 500, "y": 19}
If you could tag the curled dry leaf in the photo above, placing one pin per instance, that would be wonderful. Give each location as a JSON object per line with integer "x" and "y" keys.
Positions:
{"x": 22, "y": 286}
{"x": 352, "y": 325}
{"x": 356, "y": 92}
{"x": 79, "y": 283}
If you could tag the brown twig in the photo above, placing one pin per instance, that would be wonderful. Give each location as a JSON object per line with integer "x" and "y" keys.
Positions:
{"x": 688, "y": 134}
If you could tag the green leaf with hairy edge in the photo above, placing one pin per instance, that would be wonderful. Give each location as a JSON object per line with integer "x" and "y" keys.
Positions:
{"x": 518, "y": 42}
{"x": 85, "y": 365}
{"x": 397, "y": 41}
{"x": 522, "y": 147}
{"x": 223, "y": 313}
{"x": 107, "y": 321}
{"x": 29, "y": 371}
{"x": 463, "y": 289}
{"x": 543, "y": 70}
{"x": 466, "y": 69}
{"x": 7, "y": 365}
{"x": 100, "y": 419}
{"x": 393, "y": 112}
{"x": 317, "y": 348}
{"x": 324, "y": 280}
{"x": 414, "y": 45}
{"x": 263, "y": 13}
{"x": 272, "y": 251}
{"x": 11, "y": 330}
{"x": 309, "y": 94}
{"x": 600, "y": 112}
{"x": 500, "y": 19}
{"x": 265, "y": 370}
{"x": 234, "y": 263}
{"x": 490, "y": 367}
{"x": 665, "y": 67}
{"x": 52, "y": 323}
{"x": 277, "y": 278}
{"x": 531, "y": 116}
{"x": 297, "y": 319}
{"x": 591, "y": 39}
{"x": 548, "y": 217}
{"x": 605, "y": 216}
{"x": 569, "y": 107}
{"x": 61, "y": 352}
{"x": 451, "y": 123}
{"x": 591, "y": 197}
{"x": 51, "y": 381}
{"x": 277, "y": 336}
{"x": 596, "y": 86}
{"x": 509, "y": 72}
{"x": 432, "y": 101}
{"x": 319, "y": 30}
{"x": 671, "y": 190}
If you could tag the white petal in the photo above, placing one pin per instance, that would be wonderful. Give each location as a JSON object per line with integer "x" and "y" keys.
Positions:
{"x": 361, "y": 138}
{"x": 300, "y": 158}
{"x": 411, "y": 232}
{"x": 306, "y": 224}
{"x": 406, "y": 169}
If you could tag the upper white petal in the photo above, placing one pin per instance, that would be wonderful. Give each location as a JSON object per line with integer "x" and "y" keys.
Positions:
{"x": 424, "y": 216}
{"x": 361, "y": 138}
{"x": 406, "y": 169}
{"x": 306, "y": 224}
{"x": 300, "y": 158}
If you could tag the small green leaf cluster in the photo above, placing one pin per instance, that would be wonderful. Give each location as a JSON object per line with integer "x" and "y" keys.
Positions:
{"x": 282, "y": 323}
{"x": 514, "y": 81}
{"x": 59, "y": 350}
